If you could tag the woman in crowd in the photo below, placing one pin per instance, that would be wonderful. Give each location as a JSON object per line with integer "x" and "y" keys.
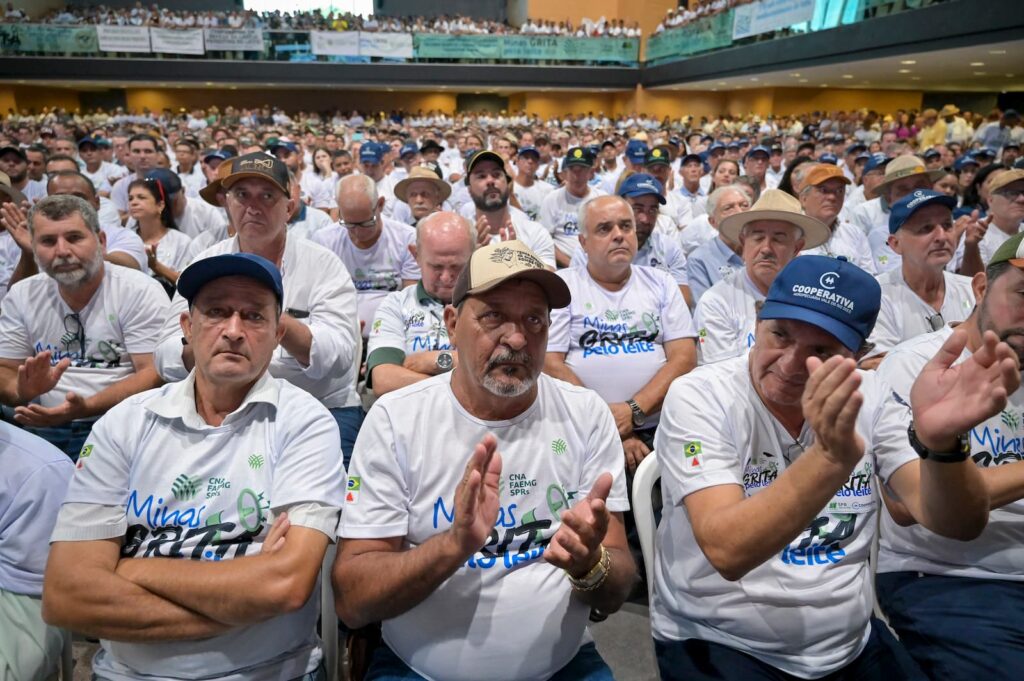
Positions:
{"x": 725, "y": 174}
{"x": 166, "y": 247}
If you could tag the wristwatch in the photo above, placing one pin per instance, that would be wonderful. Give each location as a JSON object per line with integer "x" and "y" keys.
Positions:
{"x": 962, "y": 451}
{"x": 444, "y": 362}
{"x": 639, "y": 416}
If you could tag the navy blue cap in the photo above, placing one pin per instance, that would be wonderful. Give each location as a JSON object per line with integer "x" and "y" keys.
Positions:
{"x": 715, "y": 147}
{"x": 104, "y": 143}
{"x": 407, "y": 149}
{"x": 707, "y": 138}
{"x": 675, "y": 141}
{"x": 733, "y": 145}
{"x": 1012, "y": 144}
{"x": 931, "y": 153}
{"x": 855, "y": 147}
{"x": 529, "y": 150}
{"x": 757, "y": 150}
{"x": 371, "y": 152}
{"x": 987, "y": 152}
{"x": 290, "y": 146}
{"x": 690, "y": 157}
{"x": 593, "y": 149}
{"x": 642, "y": 184}
{"x": 202, "y": 272}
{"x": 862, "y": 156}
{"x": 636, "y": 151}
{"x": 167, "y": 179}
{"x": 217, "y": 153}
{"x": 830, "y": 293}
{"x": 913, "y": 202}
{"x": 577, "y": 156}
{"x": 828, "y": 158}
{"x": 965, "y": 160}
{"x": 88, "y": 140}
{"x": 430, "y": 145}
{"x": 607, "y": 143}
{"x": 877, "y": 160}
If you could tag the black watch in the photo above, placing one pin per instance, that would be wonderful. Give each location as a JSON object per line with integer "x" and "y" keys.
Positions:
{"x": 962, "y": 451}
{"x": 444, "y": 362}
{"x": 639, "y": 416}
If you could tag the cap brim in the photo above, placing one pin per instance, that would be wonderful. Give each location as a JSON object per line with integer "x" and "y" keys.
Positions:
{"x": 209, "y": 193}
{"x": 202, "y": 272}
{"x": 555, "y": 288}
{"x": 16, "y": 196}
{"x": 815, "y": 231}
{"x": 846, "y": 335}
{"x": 234, "y": 178}
{"x": 402, "y": 187}
{"x": 631, "y": 195}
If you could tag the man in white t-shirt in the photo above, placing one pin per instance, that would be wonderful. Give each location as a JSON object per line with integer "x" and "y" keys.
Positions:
{"x": 101, "y": 173}
{"x": 77, "y": 338}
{"x": 627, "y": 333}
{"x": 489, "y": 187}
{"x": 528, "y": 190}
{"x": 952, "y": 602}
{"x": 770, "y": 234}
{"x": 466, "y": 563}
{"x": 319, "y": 351}
{"x": 920, "y": 296}
{"x": 559, "y": 210}
{"x": 1006, "y": 210}
{"x": 192, "y": 534}
{"x": 374, "y": 248}
{"x": 821, "y": 188}
{"x": 408, "y": 340}
{"x": 768, "y": 475}
{"x": 142, "y": 150}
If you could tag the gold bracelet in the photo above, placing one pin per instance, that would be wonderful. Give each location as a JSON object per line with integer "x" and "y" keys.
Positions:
{"x": 597, "y": 575}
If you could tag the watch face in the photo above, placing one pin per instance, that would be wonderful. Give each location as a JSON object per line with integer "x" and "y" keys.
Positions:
{"x": 444, "y": 361}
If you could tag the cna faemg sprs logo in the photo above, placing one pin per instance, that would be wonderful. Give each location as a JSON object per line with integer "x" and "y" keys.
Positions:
{"x": 828, "y": 280}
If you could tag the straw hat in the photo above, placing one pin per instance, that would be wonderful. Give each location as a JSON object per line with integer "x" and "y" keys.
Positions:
{"x": 421, "y": 174}
{"x": 949, "y": 110}
{"x": 906, "y": 166}
{"x": 776, "y": 204}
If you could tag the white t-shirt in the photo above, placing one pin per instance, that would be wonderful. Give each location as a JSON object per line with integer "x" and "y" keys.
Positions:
{"x": 698, "y": 232}
{"x": 531, "y": 198}
{"x": 123, "y": 240}
{"x": 999, "y": 552}
{"x": 10, "y": 255}
{"x": 903, "y": 315}
{"x": 106, "y": 174}
{"x": 558, "y": 214}
{"x": 409, "y": 321}
{"x": 849, "y": 242}
{"x": 614, "y": 340}
{"x": 123, "y": 318}
{"x": 319, "y": 189}
{"x": 993, "y": 239}
{"x": 726, "y": 317}
{"x": 174, "y": 250}
{"x": 216, "y": 495}
{"x": 199, "y": 217}
{"x": 192, "y": 182}
{"x": 318, "y": 292}
{"x": 377, "y": 270}
{"x": 661, "y": 251}
{"x": 531, "y": 233}
{"x": 312, "y": 221}
{"x": 507, "y": 610}
{"x": 806, "y": 610}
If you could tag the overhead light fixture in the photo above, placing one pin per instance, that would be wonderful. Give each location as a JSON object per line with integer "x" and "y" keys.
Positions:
{"x": 977, "y": 63}
{"x": 722, "y": 82}
{"x": 803, "y": 80}
{"x": 981, "y": 73}
{"x": 847, "y": 76}
{"x": 755, "y": 79}
{"x": 903, "y": 71}
{"x": 794, "y": 75}
{"x": 1009, "y": 75}
{"x": 997, "y": 51}
{"x": 916, "y": 78}
{"x": 909, "y": 61}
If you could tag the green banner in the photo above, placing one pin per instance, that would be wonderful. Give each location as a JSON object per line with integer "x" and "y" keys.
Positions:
{"x": 442, "y": 46}
{"x": 702, "y": 35}
{"x": 35, "y": 38}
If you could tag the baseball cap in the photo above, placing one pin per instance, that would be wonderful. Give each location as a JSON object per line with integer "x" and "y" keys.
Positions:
{"x": 202, "y": 272}
{"x": 283, "y": 144}
{"x": 775, "y": 204}
{"x": 407, "y": 149}
{"x": 828, "y": 158}
{"x": 89, "y": 140}
{"x": 210, "y": 191}
{"x": 217, "y": 153}
{"x": 829, "y": 293}
{"x": 1012, "y": 251}
{"x": 757, "y": 150}
{"x": 913, "y": 202}
{"x": 528, "y": 150}
{"x": 167, "y": 179}
{"x": 854, "y": 148}
{"x": 1012, "y": 144}
{"x": 987, "y": 152}
{"x": 485, "y": 155}
{"x": 430, "y": 145}
{"x": 690, "y": 157}
{"x": 371, "y": 152}
{"x": 1000, "y": 179}
{"x": 422, "y": 174}
{"x": 11, "y": 149}
{"x": 494, "y": 264}
{"x": 103, "y": 143}
{"x": 46, "y": 130}
{"x": 259, "y": 165}
{"x": 822, "y": 172}
{"x": 657, "y": 156}
{"x": 577, "y": 156}
{"x": 715, "y": 147}
{"x": 642, "y": 184}
{"x": 931, "y": 153}
{"x": 5, "y": 188}
{"x": 636, "y": 151}
{"x": 965, "y": 160}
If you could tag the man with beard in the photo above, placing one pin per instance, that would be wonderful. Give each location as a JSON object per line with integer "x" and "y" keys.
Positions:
{"x": 770, "y": 234}
{"x": 79, "y": 337}
{"x": 14, "y": 162}
{"x": 489, "y": 188}
{"x": 497, "y": 562}
{"x": 952, "y": 602}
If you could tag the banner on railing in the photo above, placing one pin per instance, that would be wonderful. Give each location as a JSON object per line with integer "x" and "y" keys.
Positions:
{"x": 445, "y": 46}
{"x": 123, "y": 38}
{"x": 556, "y": 48}
{"x": 702, "y": 35}
{"x": 234, "y": 39}
{"x": 770, "y": 15}
{"x": 177, "y": 41}
{"x": 35, "y": 38}
{"x": 393, "y": 45}
{"x": 334, "y": 43}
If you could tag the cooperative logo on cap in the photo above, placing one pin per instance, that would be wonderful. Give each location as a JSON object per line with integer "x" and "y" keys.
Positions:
{"x": 647, "y": 185}
{"x": 919, "y": 195}
{"x": 828, "y": 280}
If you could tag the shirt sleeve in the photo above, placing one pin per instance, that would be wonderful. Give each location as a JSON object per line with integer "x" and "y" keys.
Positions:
{"x": 890, "y": 414}
{"x": 675, "y": 261}
{"x": 308, "y": 464}
{"x": 14, "y": 341}
{"x": 546, "y": 214}
{"x": 410, "y": 269}
{"x": 605, "y": 456}
{"x": 558, "y": 331}
{"x": 145, "y": 316}
{"x": 697, "y": 274}
{"x": 543, "y": 245}
{"x": 717, "y": 330}
{"x": 676, "y": 321}
{"x": 167, "y": 356}
{"x": 886, "y": 333}
{"x": 694, "y": 441}
{"x": 377, "y": 496}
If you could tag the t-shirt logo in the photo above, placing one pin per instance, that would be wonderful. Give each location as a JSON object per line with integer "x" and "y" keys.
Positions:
{"x": 354, "y": 485}
{"x": 693, "y": 452}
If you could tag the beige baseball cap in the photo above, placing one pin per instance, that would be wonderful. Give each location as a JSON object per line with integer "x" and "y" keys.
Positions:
{"x": 493, "y": 265}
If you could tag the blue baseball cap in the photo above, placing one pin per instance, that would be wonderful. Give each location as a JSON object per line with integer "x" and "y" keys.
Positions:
{"x": 931, "y": 153}
{"x": 89, "y": 140}
{"x": 830, "y": 293}
{"x": 987, "y": 152}
{"x": 757, "y": 150}
{"x": 636, "y": 151}
{"x": 877, "y": 160}
{"x": 529, "y": 150}
{"x": 202, "y": 272}
{"x": 965, "y": 160}
{"x": 371, "y": 152}
{"x": 828, "y": 158}
{"x": 217, "y": 154}
{"x": 691, "y": 157}
{"x": 642, "y": 184}
{"x": 408, "y": 149}
{"x": 733, "y": 145}
{"x": 283, "y": 144}
{"x": 169, "y": 180}
{"x": 913, "y": 202}
{"x": 855, "y": 148}
{"x": 715, "y": 147}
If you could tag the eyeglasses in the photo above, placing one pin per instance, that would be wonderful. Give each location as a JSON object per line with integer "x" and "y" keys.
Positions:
{"x": 372, "y": 222}
{"x": 75, "y": 333}
{"x": 1009, "y": 193}
{"x": 834, "y": 191}
{"x": 936, "y": 321}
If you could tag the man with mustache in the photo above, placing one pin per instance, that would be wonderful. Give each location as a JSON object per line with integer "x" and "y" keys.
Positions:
{"x": 951, "y": 601}
{"x": 770, "y": 234}
{"x": 920, "y": 296}
{"x": 77, "y": 338}
{"x": 488, "y": 567}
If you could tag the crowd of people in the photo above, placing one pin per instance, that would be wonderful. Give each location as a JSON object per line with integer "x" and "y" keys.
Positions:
{"x": 684, "y": 14}
{"x": 448, "y": 341}
{"x": 314, "y": 20}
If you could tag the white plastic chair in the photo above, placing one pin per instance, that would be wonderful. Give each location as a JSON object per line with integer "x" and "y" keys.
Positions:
{"x": 646, "y": 477}
{"x": 329, "y": 620}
